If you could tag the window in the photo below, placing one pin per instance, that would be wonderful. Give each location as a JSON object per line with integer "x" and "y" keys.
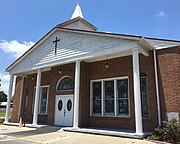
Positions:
{"x": 144, "y": 95}
{"x": 65, "y": 84}
{"x": 110, "y": 97}
{"x": 122, "y": 97}
{"x": 43, "y": 100}
{"x": 97, "y": 97}
{"x": 26, "y": 101}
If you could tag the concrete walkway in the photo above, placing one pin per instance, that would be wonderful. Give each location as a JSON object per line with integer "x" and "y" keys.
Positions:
{"x": 49, "y": 135}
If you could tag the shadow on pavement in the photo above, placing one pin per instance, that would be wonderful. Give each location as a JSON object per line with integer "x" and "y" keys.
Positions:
{"x": 37, "y": 131}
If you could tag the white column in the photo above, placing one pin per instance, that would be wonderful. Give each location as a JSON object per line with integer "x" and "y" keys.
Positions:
{"x": 76, "y": 94}
{"x": 9, "y": 98}
{"x": 137, "y": 98}
{"x": 36, "y": 102}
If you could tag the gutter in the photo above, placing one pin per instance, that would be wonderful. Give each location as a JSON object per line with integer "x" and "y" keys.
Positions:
{"x": 156, "y": 78}
{"x": 157, "y": 87}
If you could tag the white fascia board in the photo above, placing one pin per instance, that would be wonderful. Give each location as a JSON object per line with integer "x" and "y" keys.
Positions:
{"x": 162, "y": 44}
{"x": 101, "y": 34}
{"x": 31, "y": 49}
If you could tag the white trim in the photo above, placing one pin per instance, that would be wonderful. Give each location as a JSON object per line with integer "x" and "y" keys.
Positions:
{"x": 115, "y": 98}
{"x": 60, "y": 81}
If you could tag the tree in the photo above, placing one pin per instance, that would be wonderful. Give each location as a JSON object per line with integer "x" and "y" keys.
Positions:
{"x": 3, "y": 97}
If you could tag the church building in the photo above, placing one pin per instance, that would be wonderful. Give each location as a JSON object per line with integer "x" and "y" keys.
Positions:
{"x": 78, "y": 77}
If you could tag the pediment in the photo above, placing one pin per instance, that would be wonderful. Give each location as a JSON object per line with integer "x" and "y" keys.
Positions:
{"x": 73, "y": 45}
{"x": 77, "y": 23}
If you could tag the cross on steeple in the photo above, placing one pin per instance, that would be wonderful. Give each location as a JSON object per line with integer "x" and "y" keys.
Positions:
{"x": 56, "y": 41}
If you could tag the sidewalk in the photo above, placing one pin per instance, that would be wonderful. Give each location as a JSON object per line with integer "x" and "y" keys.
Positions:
{"x": 49, "y": 134}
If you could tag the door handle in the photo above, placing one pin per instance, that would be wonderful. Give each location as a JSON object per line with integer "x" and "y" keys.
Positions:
{"x": 64, "y": 112}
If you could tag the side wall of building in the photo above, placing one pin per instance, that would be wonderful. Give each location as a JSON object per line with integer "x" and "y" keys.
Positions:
{"x": 168, "y": 61}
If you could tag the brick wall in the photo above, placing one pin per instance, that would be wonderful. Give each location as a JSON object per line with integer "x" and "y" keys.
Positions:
{"x": 169, "y": 79}
{"x": 168, "y": 72}
{"x": 120, "y": 67}
{"x": 16, "y": 100}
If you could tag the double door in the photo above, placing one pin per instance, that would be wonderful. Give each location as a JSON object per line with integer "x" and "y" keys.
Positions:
{"x": 64, "y": 110}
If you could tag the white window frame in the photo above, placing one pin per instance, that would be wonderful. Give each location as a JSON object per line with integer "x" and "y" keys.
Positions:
{"x": 115, "y": 97}
{"x": 60, "y": 81}
{"x": 39, "y": 104}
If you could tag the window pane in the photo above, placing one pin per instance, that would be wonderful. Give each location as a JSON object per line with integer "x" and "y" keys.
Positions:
{"x": 109, "y": 89}
{"x": 123, "y": 106}
{"x": 66, "y": 84}
{"x": 96, "y": 90}
{"x": 96, "y": 97}
{"x": 143, "y": 85}
{"x": 96, "y": 106}
{"x": 145, "y": 105}
{"x": 122, "y": 88}
{"x": 43, "y": 100}
{"x": 122, "y": 97}
{"x": 144, "y": 95}
{"x": 109, "y": 106}
{"x": 109, "y": 97}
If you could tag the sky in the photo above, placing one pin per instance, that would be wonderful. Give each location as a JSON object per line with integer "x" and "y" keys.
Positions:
{"x": 24, "y": 22}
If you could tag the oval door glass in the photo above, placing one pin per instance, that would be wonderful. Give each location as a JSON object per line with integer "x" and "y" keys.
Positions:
{"x": 60, "y": 104}
{"x": 69, "y": 105}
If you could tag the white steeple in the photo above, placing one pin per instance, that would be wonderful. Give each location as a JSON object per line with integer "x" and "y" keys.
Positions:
{"x": 77, "y": 12}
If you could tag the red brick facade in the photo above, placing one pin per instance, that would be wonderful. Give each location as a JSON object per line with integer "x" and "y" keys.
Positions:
{"x": 169, "y": 80}
{"x": 168, "y": 72}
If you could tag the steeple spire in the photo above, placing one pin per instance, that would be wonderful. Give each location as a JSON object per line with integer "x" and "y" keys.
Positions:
{"x": 77, "y": 12}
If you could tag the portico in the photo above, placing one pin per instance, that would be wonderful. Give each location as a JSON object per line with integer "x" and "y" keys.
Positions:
{"x": 77, "y": 93}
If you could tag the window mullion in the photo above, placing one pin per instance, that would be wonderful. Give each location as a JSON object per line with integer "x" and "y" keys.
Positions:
{"x": 115, "y": 98}
{"x": 102, "y": 98}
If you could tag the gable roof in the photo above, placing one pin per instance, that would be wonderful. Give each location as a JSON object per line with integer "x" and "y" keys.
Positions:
{"x": 66, "y": 23}
{"x": 104, "y": 34}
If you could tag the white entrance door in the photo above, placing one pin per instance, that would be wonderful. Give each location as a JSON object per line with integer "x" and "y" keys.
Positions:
{"x": 64, "y": 110}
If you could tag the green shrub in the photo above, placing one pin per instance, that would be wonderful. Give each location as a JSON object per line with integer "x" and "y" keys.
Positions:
{"x": 169, "y": 132}
{"x": 1, "y": 120}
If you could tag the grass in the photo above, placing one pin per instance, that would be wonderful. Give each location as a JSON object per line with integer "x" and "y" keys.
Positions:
{"x": 2, "y": 113}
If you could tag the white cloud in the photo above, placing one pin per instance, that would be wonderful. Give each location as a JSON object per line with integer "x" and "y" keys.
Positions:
{"x": 161, "y": 14}
{"x": 5, "y": 83}
{"x": 14, "y": 48}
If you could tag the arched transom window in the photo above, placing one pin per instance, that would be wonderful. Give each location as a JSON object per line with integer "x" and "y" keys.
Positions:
{"x": 65, "y": 84}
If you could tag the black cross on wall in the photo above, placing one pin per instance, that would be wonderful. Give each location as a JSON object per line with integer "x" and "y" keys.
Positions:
{"x": 56, "y": 41}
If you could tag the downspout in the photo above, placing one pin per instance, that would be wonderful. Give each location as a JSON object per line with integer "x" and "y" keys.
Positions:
{"x": 157, "y": 87}
{"x": 21, "y": 94}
